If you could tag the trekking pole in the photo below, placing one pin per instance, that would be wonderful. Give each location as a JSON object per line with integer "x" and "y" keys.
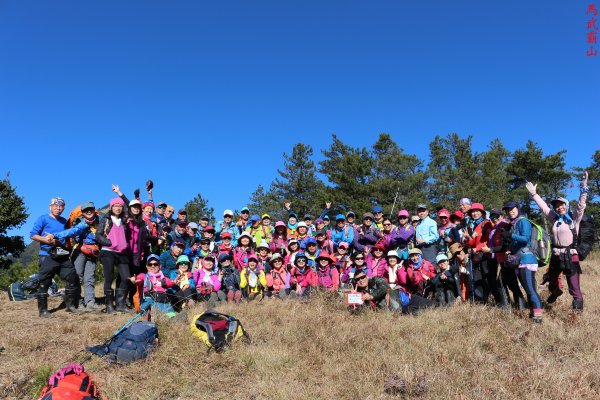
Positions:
{"x": 394, "y": 205}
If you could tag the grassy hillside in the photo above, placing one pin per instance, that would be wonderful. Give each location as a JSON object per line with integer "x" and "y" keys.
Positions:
{"x": 317, "y": 350}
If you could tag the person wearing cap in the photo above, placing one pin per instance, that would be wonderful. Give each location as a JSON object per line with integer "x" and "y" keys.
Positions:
{"x": 343, "y": 263}
{"x": 405, "y": 234}
{"x": 112, "y": 234}
{"x": 253, "y": 280}
{"x": 279, "y": 242}
{"x": 376, "y": 262}
{"x": 341, "y": 233}
{"x": 565, "y": 230}
{"x": 378, "y": 217}
{"x": 522, "y": 258}
{"x": 416, "y": 272}
{"x": 278, "y": 278}
{"x": 179, "y": 234}
{"x": 54, "y": 258}
{"x": 265, "y": 231}
{"x": 444, "y": 282}
{"x": 184, "y": 287}
{"x": 302, "y": 277}
{"x": 168, "y": 258}
{"x": 366, "y": 234}
{"x": 181, "y": 218}
{"x": 293, "y": 248}
{"x": 444, "y": 228}
{"x": 159, "y": 213}
{"x": 230, "y": 281}
{"x": 203, "y": 222}
{"x": 302, "y": 232}
{"x": 426, "y": 234}
{"x": 169, "y": 220}
{"x": 152, "y": 287}
{"x": 209, "y": 233}
{"x": 499, "y": 246}
{"x": 85, "y": 252}
{"x": 262, "y": 253}
{"x": 328, "y": 277}
{"x": 392, "y": 277}
{"x": 350, "y": 218}
{"x": 254, "y": 229}
{"x": 459, "y": 221}
{"x": 192, "y": 231}
{"x": 227, "y": 225}
{"x": 464, "y": 205}
{"x": 243, "y": 220}
{"x": 243, "y": 251}
{"x": 201, "y": 252}
{"x": 226, "y": 247}
{"x": 311, "y": 251}
{"x": 308, "y": 220}
{"x": 208, "y": 281}
{"x": 292, "y": 223}
{"x": 373, "y": 290}
{"x": 459, "y": 264}
{"x": 485, "y": 271}
{"x": 388, "y": 233}
{"x": 323, "y": 243}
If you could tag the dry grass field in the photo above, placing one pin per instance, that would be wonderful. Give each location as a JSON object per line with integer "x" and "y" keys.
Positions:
{"x": 317, "y": 350}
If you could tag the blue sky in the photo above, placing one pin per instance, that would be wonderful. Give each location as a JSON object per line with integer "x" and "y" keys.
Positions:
{"x": 204, "y": 97}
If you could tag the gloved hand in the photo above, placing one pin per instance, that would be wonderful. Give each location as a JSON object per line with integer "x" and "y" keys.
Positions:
{"x": 584, "y": 179}
{"x": 531, "y": 188}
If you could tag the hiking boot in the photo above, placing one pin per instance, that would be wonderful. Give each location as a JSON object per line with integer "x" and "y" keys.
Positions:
{"x": 554, "y": 295}
{"x": 108, "y": 294}
{"x": 578, "y": 305}
{"x": 536, "y": 320}
{"x": 71, "y": 299}
{"x": 120, "y": 296}
{"x": 92, "y": 306}
{"x": 42, "y": 299}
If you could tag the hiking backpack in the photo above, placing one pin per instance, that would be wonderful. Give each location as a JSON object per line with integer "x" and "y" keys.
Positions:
{"x": 540, "y": 243}
{"x": 584, "y": 241}
{"x": 70, "y": 383}
{"x": 134, "y": 343}
{"x": 217, "y": 330}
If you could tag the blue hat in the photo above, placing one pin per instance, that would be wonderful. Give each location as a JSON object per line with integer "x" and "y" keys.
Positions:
{"x": 245, "y": 209}
{"x": 509, "y": 205}
{"x": 255, "y": 217}
{"x": 204, "y": 217}
{"x": 152, "y": 256}
{"x": 183, "y": 259}
{"x": 307, "y": 216}
{"x": 224, "y": 256}
{"x": 293, "y": 214}
{"x": 326, "y": 217}
{"x": 340, "y": 217}
{"x": 310, "y": 241}
{"x": 377, "y": 209}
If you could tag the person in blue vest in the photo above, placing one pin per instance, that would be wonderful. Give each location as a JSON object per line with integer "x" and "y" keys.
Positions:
{"x": 54, "y": 258}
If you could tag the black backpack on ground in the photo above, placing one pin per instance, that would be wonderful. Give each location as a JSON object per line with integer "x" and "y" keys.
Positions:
{"x": 134, "y": 343}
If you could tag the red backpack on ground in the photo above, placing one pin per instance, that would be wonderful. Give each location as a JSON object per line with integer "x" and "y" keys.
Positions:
{"x": 71, "y": 383}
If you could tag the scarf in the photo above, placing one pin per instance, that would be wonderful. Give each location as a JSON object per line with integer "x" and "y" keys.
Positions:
{"x": 566, "y": 218}
{"x": 418, "y": 264}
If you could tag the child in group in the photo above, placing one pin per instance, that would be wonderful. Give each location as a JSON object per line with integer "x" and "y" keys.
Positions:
{"x": 253, "y": 280}
{"x": 278, "y": 278}
{"x": 152, "y": 287}
{"x": 184, "y": 287}
{"x": 230, "y": 282}
{"x": 208, "y": 282}
{"x": 328, "y": 277}
{"x": 444, "y": 283}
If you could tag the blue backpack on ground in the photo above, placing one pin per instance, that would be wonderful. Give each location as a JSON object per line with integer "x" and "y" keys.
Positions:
{"x": 134, "y": 343}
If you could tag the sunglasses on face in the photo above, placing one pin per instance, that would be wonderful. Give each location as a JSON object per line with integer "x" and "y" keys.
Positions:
{"x": 359, "y": 278}
{"x": 387, "y": 224}
{"x": 359, "y": 259}
{"x": 153, "y": 264}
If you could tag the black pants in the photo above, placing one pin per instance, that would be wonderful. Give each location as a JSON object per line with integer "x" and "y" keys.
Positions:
{"x": 510, "y": 281}
{"x": 181, "y": 297}
{"x": 59, "y": 265}
{"x": 489, "y": 283}
{"x": 109, "y": 260}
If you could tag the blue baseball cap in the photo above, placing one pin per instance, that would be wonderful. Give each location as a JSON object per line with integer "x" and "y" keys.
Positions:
{"x": 377, "y": 209}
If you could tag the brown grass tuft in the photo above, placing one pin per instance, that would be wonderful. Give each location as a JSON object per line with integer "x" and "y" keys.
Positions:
{"x": 317, "y": 350}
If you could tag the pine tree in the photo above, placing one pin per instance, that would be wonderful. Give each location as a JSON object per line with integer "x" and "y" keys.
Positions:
{"x": 13, "y": 214}
{"x": 197, "y": 207}
{"x": 494, "y": 191}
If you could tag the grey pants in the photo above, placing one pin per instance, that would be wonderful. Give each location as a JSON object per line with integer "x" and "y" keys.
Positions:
{"x": 86, "y": 267}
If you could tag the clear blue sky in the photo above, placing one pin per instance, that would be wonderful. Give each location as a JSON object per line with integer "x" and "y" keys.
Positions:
{"x": 206, "y": 96}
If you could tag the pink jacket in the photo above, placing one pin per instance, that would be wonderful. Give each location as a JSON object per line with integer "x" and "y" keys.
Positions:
{"x": 213, "y": 280}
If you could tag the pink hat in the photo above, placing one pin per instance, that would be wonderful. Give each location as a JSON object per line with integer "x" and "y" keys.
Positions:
{"x": 444, "y": 213}
{"x": 403, "y": 213}
{"x": 279, "y": 223}
{"x": 117, "y": 201}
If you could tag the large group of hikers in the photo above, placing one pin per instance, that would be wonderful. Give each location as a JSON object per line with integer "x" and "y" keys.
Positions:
{"x": 401, "y": 263}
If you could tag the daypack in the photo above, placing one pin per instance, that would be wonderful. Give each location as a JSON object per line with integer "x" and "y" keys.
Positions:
{"x": 19, "y": 291}
{"x": 217, "y": 330}
{"x": 71, "y": 383}
{"x": 584, "y": 241}
{"x": 134, "y": 343}
{"x": 539, "y": 243}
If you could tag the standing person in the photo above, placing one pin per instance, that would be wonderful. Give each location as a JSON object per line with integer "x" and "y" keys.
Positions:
{"x": 112, "y": 235}
{"x": 85, "y": 252}
{"x": 378, "y": 217}
{"x": 242, "y": 222}
{"x": 522, "y": 258}
{"x": 444, "y": 228}
{"x": 404, "y": 233}
{"x": 227, "y": 225}
{"x": 389, "y": 234}
{"x": 565, "y": 228}
{"x": 54, "y": 258}
{"x": 426, "y": 234}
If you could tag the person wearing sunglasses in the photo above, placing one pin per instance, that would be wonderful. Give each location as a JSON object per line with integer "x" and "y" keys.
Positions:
{"x": 373, "y": 291}
{"x": 366, "y": 235}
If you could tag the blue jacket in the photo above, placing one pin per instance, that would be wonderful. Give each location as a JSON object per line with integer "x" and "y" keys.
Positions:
{"x": 81, "y": 232}
{"x": 44, "y": 225}
{"x": 220, "y": 227}
{"x": 521, "y": 234}
{"x": 427, "y": 230}
{"x": 346, "y": 234}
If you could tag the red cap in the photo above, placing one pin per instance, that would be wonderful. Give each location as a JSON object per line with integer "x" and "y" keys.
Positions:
{"x": 444, "y": 213}
{"x": 477, "y": 206}
{"x": 458, "y": 214}
{"x": 225, "y": 235}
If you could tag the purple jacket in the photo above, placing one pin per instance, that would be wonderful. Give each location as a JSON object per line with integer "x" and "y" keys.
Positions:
{"x": 369, "y": 237}
{"x": 403, "y": 235}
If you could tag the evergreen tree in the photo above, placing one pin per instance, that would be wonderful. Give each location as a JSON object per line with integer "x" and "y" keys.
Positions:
{"x": 494, "y": 191}
{"x": 12, "y": 216}
{"x": 197, "y": 207}
{"x": 548, "y": 172}
{"x": 262, "y": 202}
{"x": 452, "y": 171}
{"x": 395, "y": 172}
{"x": 297, "y": 182}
